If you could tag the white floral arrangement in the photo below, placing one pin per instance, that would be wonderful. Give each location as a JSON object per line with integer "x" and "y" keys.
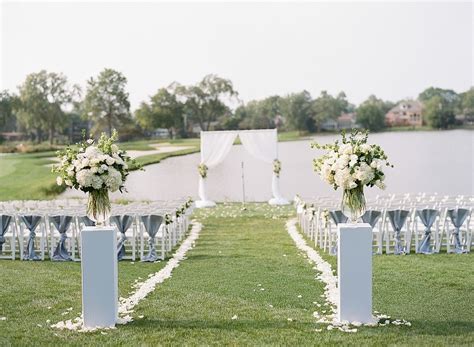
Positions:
{"x": 353, "y": 163}
{"x": 89, "y": 167}
{"x": 95, "y": 169}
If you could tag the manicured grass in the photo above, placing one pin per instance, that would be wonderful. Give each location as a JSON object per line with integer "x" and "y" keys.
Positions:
{"x": 238, "y": 254}
{"x": 27, "y": 176}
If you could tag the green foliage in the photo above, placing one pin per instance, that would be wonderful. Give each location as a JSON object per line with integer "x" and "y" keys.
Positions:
{"x": 163, "y": 111}
{"x": 42, "y": 99}
{"x": 106, "y": 102}
{"x": 261, "y": 114}
{"x": 300, "y": 111}
{"x": 439, "y": 112}
{"x": 371, "y": 114}
{"x": 328, "y": 107}
{"x": 7, "y": 113}
{"x": 207, "y": 100}
{"x": 467, "y": 104}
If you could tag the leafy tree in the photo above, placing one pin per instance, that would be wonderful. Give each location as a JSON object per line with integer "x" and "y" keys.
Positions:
{"x": 106, "y": 102}
{"x": 8, "y": 103}
{"x": 448, "y": 95}
{"x": 467, "y": 104}
{"x": 300, "y": 111}
{"x": 207, "y": 100}
{"x": 163, "y": 111}
{"x": 371, "y": 116}
{"x": 438, "y": 112}
{"x": 43, "y": 97}
{"x": 328, "y": 107}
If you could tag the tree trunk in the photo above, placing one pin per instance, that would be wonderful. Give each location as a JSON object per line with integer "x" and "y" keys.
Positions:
{"x": 109, "y": 124}
{"x": 51, "y": 136}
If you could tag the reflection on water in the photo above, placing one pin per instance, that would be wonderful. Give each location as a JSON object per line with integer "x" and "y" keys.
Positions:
{"x": 441, "y": 162}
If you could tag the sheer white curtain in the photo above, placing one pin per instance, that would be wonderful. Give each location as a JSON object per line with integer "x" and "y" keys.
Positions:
{"x": 263, "y": 145}
{"x": 215, "y": 146}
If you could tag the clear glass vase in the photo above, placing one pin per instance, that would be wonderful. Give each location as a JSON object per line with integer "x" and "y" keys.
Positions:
{"x": 98, "y": 206}
{"x": 353, "y": 203}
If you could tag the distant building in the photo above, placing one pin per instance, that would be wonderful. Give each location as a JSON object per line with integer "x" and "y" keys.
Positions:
{"x": 347, "y": 121}
{"x": 406, "y": 113}
{"x": 344, "y": 121}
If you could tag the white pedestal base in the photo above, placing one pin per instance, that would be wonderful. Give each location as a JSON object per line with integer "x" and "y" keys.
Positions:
{"x": 99, "y": 277}
{"x": 278, "y": 201}
{"x": 205, "y": 203}
{"x": 354, "y": 268}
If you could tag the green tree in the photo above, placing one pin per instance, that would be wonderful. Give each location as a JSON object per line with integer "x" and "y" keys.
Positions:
{"x": 328, "y": 107}
{"x": 206, "y": 101}
{"x": 300, "y": 112}
{"x": 163, "y": 111}
{"x": 42, "y": 99}
{"x": 449, "y": 95}
{"x": 438, "y": 112}
{"x": 106, "y": 102}
{"x": 371, "y": 116}
{"x": 7, "y": 111}
{"x": 467, "y": 104}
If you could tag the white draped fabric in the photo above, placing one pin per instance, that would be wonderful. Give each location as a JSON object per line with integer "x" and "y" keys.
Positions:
{"x": 215, "y": 146}
{"x": 261, "y": 144}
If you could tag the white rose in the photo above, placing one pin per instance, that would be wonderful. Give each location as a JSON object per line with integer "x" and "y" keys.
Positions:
{"x": 345, "y": 148}
{"x": 364, "y": 148}
{"x": 59, "y": 181}
{"x": 94, "y": 169}
{"x": 68, "y": 183}
{"x": 114, "y": 148}
{"x": 353, "y": 160}
{"x": 110, "y": 161}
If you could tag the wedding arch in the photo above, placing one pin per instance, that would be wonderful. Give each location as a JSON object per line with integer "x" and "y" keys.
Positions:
{"x": 261, "y": 144}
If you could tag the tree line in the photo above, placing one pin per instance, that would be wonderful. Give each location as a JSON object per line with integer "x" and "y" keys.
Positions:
{"x": 47, "y": 106}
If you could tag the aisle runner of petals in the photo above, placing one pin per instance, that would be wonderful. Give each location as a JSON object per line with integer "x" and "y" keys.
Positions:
{"x": 126, "y": 305}
{"x": 331, "y": 292}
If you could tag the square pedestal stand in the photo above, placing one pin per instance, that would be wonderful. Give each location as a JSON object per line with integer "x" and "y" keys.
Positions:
{"x": 354, "y": 268}
{"x": 99, "y": 277}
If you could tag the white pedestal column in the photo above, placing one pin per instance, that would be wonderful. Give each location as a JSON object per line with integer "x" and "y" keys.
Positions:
{"x": 354, "y": 268}
{"x": 99, "y": 276}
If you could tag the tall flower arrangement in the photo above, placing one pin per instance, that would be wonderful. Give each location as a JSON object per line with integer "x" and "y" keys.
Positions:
{"x": 96, "y": 169}
{"x": 351, "y": 165}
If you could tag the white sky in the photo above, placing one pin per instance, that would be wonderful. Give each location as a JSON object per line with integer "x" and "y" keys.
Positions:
{"x": 393, "y": 50}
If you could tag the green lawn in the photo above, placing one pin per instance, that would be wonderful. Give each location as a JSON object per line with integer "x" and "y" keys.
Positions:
{"x": 237, "y": 254}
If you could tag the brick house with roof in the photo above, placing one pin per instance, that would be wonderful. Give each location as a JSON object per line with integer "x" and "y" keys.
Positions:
{"x": 407, "y": 112}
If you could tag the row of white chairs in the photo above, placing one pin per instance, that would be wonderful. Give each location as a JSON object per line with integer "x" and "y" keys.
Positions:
{"x": 36, "y": 230}
{"x": 424, "y": 225}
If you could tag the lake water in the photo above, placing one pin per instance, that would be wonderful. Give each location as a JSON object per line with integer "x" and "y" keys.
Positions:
{"x": 441, "y": 162}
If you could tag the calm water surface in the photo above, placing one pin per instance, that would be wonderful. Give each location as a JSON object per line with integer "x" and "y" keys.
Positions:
{"x": 441, "y": 162}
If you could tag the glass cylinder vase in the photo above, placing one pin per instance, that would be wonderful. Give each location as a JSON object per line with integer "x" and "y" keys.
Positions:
{"x": 353, "y": 203}
{"x": 98, "y": 206}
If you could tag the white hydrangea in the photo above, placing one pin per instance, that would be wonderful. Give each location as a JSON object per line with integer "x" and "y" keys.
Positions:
{"x": 84, "y": 178}
{"x": 364, "y": 173}
{"x": 113, "y": 179}
{"x": 97, "y": 182}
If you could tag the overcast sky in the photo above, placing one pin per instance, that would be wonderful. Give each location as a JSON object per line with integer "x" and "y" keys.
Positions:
{"x": 393, "y": 50}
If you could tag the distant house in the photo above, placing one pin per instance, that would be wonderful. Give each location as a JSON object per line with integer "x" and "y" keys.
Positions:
{"x": 329, "y": 125}
{"x": 405, "y": 113}
{"x": 347, "y": 121}
{"x": 344, "y": 121}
